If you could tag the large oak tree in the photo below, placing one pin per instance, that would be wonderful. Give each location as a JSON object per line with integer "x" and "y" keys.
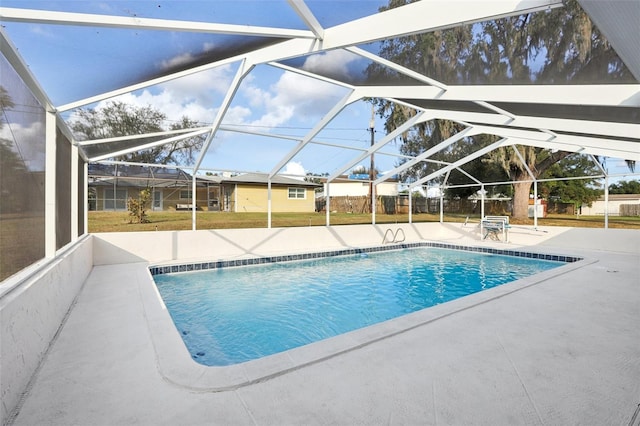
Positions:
{"x": 560, "y": 46}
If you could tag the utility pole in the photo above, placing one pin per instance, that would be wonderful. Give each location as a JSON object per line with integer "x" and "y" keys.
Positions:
{"x": 372, "y": 166}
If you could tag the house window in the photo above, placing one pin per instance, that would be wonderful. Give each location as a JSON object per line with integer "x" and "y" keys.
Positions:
{"x": 297, "y": 193}
{"x": 115, "y": 200}
{"x": 186, "y": 194}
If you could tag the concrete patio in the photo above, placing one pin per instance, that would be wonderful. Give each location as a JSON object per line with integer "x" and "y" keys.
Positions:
{"x": 559, "y": 352}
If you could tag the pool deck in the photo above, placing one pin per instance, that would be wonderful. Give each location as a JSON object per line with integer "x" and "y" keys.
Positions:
{"x": 562, "y": 351}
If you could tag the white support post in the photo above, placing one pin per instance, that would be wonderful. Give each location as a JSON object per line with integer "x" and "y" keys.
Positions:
{"x": 74, "y": 193}
{"x": 482, "y": 202}
{"x": 606, "y": 202}
{"x": 85, "y": 188}
{"x": 326, "y": 206}
{"x": 235, "y": 198}
{"x": 373, "y": 204}
{"x": 535, "y": 204}
{"x": 50, "y": 186}
{"x": 193, "y": 202}
{"x": 269, "y": 203}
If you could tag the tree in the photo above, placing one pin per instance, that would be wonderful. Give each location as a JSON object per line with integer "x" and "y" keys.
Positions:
{"x": 576, "y": 191}
{"x": 498, "y": 52}
{"x": 625, "y": 187}
{"x": 537, "y": 161}
{"x": 121, "y": 119}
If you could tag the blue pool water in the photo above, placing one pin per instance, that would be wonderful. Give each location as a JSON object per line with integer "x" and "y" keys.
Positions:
{"x": 231, "y": 315}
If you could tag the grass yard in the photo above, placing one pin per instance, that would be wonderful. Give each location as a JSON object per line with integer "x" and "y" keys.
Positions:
{"x": 21, "y": 242}
{"x": 173, "y": 221}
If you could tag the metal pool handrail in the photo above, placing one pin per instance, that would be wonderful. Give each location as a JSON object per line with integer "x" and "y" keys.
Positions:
{"x": 394, "y": 235}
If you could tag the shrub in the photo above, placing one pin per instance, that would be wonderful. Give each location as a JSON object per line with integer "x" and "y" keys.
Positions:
{"x": 138, "y": 208}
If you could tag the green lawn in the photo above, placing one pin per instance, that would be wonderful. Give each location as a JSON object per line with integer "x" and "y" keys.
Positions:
{"x": 21, "y": 242}
{"x": 171, "y": 221}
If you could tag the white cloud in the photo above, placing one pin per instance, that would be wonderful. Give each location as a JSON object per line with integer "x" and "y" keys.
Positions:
{"x": 183, "y": 59}
{"x": 295, "y": 170}
{"x": 292, "y": 97}
{"x": 30, "y": 142}
{"x": 202, "y": 86}
{"x": 333, "y": 63}
{"x": 297, "y": 97}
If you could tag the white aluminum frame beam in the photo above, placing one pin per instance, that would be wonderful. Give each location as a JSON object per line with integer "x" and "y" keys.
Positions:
{"x": 468, "y": 132}
{"x": 49, "y": 17}
{"x": 147, "y": 146}
{"x": 401, "y": 69}
{"x": 308, "y": 17}
{"x": 622, "y": 130}
{"x": 143, "y": 136}
{"x": 614, "y": 95}
{"x": 148, "y": 83}
{"x": 460, "y": 162}
{"x": 418, "y": 17}
{"x": 241, "y": 73}
{"x": 616, "y": 148}
{"x": 311, "y": 75}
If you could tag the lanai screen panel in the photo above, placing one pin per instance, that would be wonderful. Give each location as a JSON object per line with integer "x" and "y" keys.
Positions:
{"x": 127, "y": 56}
{"x": 63, "y": 190}
{"x": 22, "y": 174}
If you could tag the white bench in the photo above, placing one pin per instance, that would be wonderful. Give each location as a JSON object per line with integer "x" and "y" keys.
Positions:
{"x": 184, "y": 207}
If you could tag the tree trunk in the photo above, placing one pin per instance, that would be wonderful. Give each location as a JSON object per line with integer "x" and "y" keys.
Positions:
{"x": 521, "y": 200}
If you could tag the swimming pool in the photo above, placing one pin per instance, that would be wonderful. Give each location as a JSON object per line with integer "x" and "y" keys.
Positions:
{"x": 232, "y": 315}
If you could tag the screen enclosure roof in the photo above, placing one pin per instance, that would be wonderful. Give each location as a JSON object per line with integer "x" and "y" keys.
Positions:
{"x": 74, "y": 55}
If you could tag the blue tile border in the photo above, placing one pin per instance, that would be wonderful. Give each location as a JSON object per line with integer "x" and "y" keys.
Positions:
{"x": 199, "y": 266}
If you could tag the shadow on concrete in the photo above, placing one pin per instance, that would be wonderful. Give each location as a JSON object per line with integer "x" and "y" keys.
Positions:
{"x": 103, "y": 250}
{"x": 250, "y": 250}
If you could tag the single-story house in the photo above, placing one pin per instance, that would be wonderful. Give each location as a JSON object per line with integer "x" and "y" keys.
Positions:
{"x": 618, "y": 203}
{"x": 172, "y": 189}
{"x": 357, "y": 185}
{"x": 248, "y": 193}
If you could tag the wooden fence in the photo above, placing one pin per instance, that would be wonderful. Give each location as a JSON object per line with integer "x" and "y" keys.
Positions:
{"x": 400, "y": 205}
{"x": 630, "y": 210}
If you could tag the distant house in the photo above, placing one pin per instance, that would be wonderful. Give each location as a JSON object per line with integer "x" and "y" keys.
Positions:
{"x": 111, "y": 186}
{"x": 618, "y": 203}
{"x": 355, "y": 185}
{"x": 172, "y": 189}
{"x": 249, "y": 193}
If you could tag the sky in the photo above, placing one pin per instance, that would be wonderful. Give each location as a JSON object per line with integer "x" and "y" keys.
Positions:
{"x": 74, "y": 63}
{"x": 268, "y": 100}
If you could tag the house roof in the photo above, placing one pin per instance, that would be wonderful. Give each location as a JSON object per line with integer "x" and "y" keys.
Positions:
{"x": 355, "y": 178}
{"x": 622, "y": 197}
{"x": 137, "y": 176}
{"x": 144, "y": 176}
{"x": 261, "y": 178}
{"x": 597, "y": 118}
